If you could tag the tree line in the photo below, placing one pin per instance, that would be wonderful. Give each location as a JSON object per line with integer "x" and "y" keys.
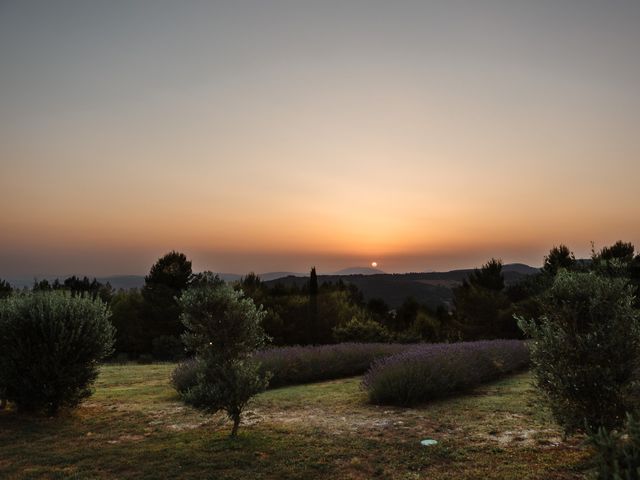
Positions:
{"x": 147, "y": 320}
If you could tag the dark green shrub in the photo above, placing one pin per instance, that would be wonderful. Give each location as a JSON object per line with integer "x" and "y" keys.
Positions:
{"x": 361, "y": 330}
{"x": 618, "y": 452}
{"x": 224, "y": 330}
{"x": 426, "y": 327}
{"x": 50, "y": 346}
{"x": 586, "y": 349}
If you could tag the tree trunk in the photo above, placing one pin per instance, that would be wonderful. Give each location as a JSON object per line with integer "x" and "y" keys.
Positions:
{"x": 236, "y": 424}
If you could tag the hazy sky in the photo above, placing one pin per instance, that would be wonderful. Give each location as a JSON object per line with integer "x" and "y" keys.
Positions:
{"x": 276, "y": 135}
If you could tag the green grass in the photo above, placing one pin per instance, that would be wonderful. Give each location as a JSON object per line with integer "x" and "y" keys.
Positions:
{"x": 135, "y": 427}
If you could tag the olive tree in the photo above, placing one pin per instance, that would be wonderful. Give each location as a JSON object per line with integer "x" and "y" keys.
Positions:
{"x": 223, "y": 328}
{"x": 50, "y": 346}
{"x": 585, "y": 350}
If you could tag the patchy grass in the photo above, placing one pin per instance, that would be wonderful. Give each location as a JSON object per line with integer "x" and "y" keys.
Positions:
{"x": 135, "y": 427}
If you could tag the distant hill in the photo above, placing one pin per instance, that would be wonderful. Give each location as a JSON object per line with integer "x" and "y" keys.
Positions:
{"x": 137, "y": 281}
{"x": 265, "y": 277}
{"x": 432, "y": 288}
{"x": 520, "y": 268}
{"x": 125, "y": 282}
{"x": 359, "y": 271}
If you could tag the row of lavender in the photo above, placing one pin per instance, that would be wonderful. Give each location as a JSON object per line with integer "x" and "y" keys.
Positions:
{"x": 395, "y": 373}
{"x": 298, "y": 365}
{"x": 431, "y": 371}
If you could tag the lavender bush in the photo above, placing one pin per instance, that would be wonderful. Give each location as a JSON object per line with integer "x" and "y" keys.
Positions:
{"x": 297, "y": 365}
{"x": 429, "y": 371}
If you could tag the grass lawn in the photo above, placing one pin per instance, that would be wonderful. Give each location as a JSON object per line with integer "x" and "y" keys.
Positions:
{"x": 135, "y": 427}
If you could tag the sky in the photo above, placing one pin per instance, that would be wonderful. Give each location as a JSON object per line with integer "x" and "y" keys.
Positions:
{"x": 277, "y": 135}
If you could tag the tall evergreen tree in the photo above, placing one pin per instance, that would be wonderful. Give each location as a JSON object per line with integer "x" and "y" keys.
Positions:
{"x": 166, "y": 281}
{"x": 482, "y": 307}
{"x": 622, "y": 251}
{"x": 490, "y": 276}
{"x": 313, "y": 306}
{"x": 559, "y": 257}
{"x": 5, "y": 288}
{"x": 313, "y": 282}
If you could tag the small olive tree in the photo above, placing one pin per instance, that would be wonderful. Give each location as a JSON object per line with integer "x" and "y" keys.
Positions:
{"x": 223, "y": 329}
{"x": 50, "y": 346}
{"x": 617, "y": 452}
{"x": 586, "y": 349}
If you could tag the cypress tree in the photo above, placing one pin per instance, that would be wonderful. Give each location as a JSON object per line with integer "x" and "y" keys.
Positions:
{"x": 313, "y": 306}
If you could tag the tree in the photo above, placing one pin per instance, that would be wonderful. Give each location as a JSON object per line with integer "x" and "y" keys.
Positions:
{"x": 251, "y": 285}
{"x": 620, "y": 250}
{"x": 586, "y": 350}
{"x": 427, "y": 327}
{"x": 525, "y": 294}
{"x": 379, "y": 310}
{"x": 335, "y": 307}
{"x": 483, "y": 309}
{"x": 128, "y": 310}
{"x": 616, "y": 261}
{"x": 489, "y": 276}
{"x": 41, "y": 286}
{"x": 292, "y": 308}
{"x": 313, "y": 306}
{"x": 224, "y": 329}
{"x": 405, "y": 315}
{"x": 313, "y": 282}
{"x": 5, "y": 289}
{"x": 617, "y": 454}
{"x": 79, "y": 286}
{"x": 50, "y": 345}
{"x": 559, "y": 257}
{"x": 166, "y": 281}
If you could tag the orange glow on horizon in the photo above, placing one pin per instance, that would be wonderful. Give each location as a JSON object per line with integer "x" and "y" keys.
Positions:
{"x": 334, "y": 139}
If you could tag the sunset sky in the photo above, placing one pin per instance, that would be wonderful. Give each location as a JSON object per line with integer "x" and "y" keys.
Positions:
{"x": 276, "y": 135}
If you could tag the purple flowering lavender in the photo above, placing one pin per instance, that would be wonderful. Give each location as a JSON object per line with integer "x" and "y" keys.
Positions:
{"x": 296, "y": 365}
{"x": 429, "y": 371}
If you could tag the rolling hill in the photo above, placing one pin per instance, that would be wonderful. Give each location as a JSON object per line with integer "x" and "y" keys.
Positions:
{"x": 432, "y": 288}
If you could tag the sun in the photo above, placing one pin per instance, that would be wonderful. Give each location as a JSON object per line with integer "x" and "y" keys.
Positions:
{"x": 374, "y": 264}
